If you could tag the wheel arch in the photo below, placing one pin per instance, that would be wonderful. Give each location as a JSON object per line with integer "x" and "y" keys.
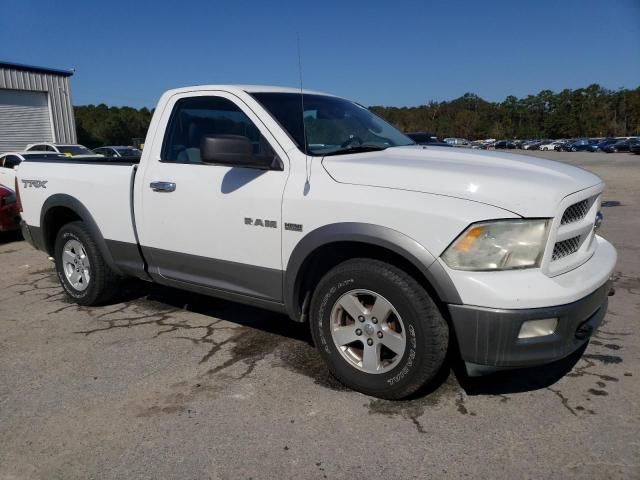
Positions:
{"x": 60, "y": 209}
{"x": 323, "y": 248}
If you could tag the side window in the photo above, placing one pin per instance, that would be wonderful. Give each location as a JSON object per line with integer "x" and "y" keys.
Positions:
{"x": 11, "y": 161}
{"x": 193, "y": 118}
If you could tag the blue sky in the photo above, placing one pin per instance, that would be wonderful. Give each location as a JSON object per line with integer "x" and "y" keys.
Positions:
{"x": 376, "y": 52}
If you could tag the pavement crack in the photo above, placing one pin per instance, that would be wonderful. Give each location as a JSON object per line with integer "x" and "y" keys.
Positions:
{"x": 131, "y": 322}
{"x": 564, "y": 400}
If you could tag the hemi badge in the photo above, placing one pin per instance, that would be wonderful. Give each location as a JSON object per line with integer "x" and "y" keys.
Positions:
{"x": 294, "y": 227}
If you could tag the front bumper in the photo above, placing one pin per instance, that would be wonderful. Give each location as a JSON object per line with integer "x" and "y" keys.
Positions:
{"x": 488, "y": 337}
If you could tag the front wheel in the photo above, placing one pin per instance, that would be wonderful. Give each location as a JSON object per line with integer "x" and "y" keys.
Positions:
{"x": 81, "y": 269}
{"x": 378, "y": 329}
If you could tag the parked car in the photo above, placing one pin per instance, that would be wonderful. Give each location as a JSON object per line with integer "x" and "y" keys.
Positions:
{"x": 368, "y": 243}
{"x": 619, "y": 146}
{"x": 531, "y": 145}
{"x": 581, "y": 145}
{"x": 10, "y": 160}
{"x": 635, "y": 147}
{"x": 549, "y": 145}
{"x": 504, "y": 144}
{"x": 118, "y": 151}
{"x": 578, "y": 145}
{"x": 9, "y": 215}
{"x": 457, "y": 142}
{"x": 597, "y": 146}
{"x": 425, "y": 138}
{"x": 560, "y": 147}
{"x": 69, "y": 150}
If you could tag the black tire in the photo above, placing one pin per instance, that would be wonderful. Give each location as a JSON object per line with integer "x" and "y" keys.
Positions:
{"x": 426, "y": 331}
{"x": 102, "y": 286}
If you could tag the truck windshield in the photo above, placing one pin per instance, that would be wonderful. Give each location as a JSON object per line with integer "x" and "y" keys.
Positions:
{"x": 333, "y": 126}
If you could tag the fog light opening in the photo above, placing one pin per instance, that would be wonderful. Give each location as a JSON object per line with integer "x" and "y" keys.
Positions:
{"x": 538, "y": 328}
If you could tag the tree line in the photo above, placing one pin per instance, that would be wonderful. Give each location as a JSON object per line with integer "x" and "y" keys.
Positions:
{"x": 100, "y": 125}
{"x": 582, "y": 112}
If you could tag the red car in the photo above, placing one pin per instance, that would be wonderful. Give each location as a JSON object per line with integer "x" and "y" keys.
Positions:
{"x": 9, "y": 215}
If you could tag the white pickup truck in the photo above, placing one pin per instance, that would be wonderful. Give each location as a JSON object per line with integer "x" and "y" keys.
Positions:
{"x": 310, "y": 205}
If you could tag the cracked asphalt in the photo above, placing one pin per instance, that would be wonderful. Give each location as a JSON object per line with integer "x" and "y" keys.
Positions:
{"x": 169, "y": 385}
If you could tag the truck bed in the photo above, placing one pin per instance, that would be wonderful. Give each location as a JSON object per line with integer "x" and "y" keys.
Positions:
{"x": 102, "y": 185}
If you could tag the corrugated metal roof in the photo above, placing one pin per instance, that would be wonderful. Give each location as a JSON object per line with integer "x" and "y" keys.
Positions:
{"x": 33, "y": 68}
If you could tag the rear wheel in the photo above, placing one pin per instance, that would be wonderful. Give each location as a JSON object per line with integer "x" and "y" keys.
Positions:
{"x": 377, "y": 328}
{"x": 81, "y": 269}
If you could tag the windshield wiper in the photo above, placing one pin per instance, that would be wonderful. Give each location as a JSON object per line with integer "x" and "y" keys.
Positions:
{"x": 357, "y": 149}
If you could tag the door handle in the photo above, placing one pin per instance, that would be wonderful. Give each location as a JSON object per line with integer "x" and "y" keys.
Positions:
{"x": 162, "y": 186}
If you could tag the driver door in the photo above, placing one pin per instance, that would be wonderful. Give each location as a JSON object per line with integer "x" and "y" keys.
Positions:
{"x": 212, "y": 226}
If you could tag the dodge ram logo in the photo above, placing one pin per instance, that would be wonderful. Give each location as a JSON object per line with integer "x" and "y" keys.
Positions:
{"x": 35, "y": 183}
{"x": 258, "y": 222}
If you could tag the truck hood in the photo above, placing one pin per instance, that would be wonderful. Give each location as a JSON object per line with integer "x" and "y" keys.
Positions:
{"x": 525, "y": 185}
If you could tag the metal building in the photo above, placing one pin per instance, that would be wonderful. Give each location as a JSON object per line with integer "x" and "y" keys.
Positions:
{"x": 35, "y": 106}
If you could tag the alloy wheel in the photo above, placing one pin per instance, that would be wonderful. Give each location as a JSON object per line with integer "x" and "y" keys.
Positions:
{"x": 368, "y": 331}
{"x": 75, "y": 264}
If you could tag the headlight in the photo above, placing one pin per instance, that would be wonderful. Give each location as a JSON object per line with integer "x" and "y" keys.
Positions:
{"x": 499, "y": 245}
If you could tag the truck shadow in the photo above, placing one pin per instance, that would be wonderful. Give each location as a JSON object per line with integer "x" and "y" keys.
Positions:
{"x": 244, "y": 315}
{"x": 293, "y": 343}
{"x": 517, "y": 380}
{"x": 10, "y": 237}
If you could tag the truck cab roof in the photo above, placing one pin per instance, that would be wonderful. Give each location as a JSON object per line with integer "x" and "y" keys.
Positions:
{"x": 245, "y": 89}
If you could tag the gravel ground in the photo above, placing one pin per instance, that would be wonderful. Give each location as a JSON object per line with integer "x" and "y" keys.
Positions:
{"x": 174, "y": 385}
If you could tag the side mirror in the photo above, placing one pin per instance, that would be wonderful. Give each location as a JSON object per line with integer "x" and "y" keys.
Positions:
{"x": 232, "y": 150}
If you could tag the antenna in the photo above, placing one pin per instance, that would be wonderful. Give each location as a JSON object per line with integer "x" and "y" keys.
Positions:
{"x": 304, "y": 128}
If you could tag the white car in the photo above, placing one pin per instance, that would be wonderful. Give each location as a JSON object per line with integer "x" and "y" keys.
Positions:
{"x": 77, "y": 151}
{"x": 386, "y": 249}
{"x": 550, "y": 146}
{"x": 118, "y": 151}
{"x": 457, "y": 142}
{"x": 10, "y": 160}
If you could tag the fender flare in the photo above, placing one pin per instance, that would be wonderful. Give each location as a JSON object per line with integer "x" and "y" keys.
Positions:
{"x": 76, "y": 206}
{"x": 376, "y": 235}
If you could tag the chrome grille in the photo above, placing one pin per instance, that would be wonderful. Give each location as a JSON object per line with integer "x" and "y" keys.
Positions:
{"x": 575, "y": 212}
{"x": 565, "y": 247}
